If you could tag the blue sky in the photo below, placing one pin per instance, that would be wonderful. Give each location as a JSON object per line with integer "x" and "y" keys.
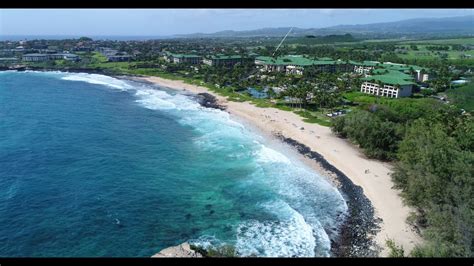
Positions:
{"x": 159, "y": 22}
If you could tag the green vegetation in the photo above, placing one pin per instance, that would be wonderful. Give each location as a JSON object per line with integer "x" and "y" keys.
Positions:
{"x": 468, "y": 40}
{"x": 435, "y": 173}
{"x": 432, "y": 146}
{"x": 224, "y": 251}
{"x": 378, "y": 138}
{"x": 462, "y": 96}
{"x": 430, "y": 142}
{"x": 311, "y": 118}
{"x": 395, "y": 251}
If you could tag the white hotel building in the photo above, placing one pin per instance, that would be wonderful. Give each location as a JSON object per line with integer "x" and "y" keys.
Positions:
{"x": 387, "y": 90}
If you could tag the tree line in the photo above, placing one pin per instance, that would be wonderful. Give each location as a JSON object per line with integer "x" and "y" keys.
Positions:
{"x": 432, "y": 146}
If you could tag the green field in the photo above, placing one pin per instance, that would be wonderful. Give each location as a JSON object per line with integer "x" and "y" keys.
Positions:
{"x": 422, "y": 53}
{"x": 444, "y": 41}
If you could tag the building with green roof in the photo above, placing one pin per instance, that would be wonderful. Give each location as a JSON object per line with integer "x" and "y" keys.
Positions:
{"x": 295, "y": 64}
{"x": 227, "y": 60}
{"x": 364, "y": 67}
{"x": 388, "y": 83}
{"x": 182, "y": 58}
{"x": 420, "y": 73}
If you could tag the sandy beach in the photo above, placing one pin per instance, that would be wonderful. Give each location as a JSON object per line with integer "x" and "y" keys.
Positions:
{"x": 372, "y": 175}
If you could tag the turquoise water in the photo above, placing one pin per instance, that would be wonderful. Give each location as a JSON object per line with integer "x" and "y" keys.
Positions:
{"x": 93, "y": 166}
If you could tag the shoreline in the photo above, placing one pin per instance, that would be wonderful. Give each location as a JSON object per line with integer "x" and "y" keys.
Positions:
{"x": 363, "y": 181}
{"x": 356, "y": 233}
{"x": 376, "y": 212}
{"x": 354, "y": 239}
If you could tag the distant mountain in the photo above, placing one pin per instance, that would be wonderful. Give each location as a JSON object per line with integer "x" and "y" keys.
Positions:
{"x": 265, "y": 32}
{"x": 463, "y": 25}
{"x": 451, "y": 25}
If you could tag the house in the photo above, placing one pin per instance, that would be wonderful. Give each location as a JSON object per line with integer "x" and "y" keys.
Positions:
{"x": 391, "y": 84}
{"x": 107, "y": 51}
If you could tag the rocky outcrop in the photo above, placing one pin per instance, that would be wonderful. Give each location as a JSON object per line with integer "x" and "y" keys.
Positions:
{"x": 208, "y": 100}
{"x": 181, "y": 251}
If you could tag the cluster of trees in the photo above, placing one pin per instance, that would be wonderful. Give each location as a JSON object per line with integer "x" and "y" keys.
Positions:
{"x": 318, "y": 90}
{"x": 237, "y": 76}
{"x": 435, "y": 173}
{"x": 311, "y": 39}
{"x": 459, "y": 47}
{"x": 379, "y": 138}
{"x": 438, "y": 48}
{"x": 432, "y": 146}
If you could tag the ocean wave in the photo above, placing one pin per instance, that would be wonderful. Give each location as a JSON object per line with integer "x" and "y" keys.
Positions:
{"x": 98, "y": 79}
{"x": 160, "y": 100}
{"x": 288, "y": 236}
{"x": 268, "y": 155}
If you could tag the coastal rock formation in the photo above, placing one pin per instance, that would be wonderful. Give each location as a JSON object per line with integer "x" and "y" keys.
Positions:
{"x": 208, "y": 100}
{"x": 181, "y": 251}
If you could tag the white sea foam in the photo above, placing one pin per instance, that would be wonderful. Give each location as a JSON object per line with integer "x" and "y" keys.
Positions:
{"x": 287, "y": 236}
{"x": 268, "y": 155}
{"x": 98, "y": 79}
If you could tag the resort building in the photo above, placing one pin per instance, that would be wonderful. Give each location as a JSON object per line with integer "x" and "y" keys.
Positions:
{"x": 419, "y": 73}
{"x": 55, "y": 56}
{"x": 6, "y": 60}
{"x": 227, "y": 60}
{"x": 35, "y": 57}
{"x": 364, "y": 68}
{"x": 119, "y": 58}
{"x": 182, "y": 58}
{"x": 391, "y": 84}
{"x": 114, "y": 55}
{"x": 296, "y": 64}
{"x": 47, "y": 57}
{"x": 71, "y": 57}
{"x": 187, "y": 59}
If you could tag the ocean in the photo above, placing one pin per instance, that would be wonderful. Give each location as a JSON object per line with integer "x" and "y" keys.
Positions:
{"x": 95, "y": 166}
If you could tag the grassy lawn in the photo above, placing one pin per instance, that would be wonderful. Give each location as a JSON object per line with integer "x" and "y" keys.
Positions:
{"x": 359, "y": 97}
{"x": 315, "y": 117}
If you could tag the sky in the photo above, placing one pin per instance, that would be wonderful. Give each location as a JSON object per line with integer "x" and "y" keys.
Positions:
{"x": 162, "y": 22}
